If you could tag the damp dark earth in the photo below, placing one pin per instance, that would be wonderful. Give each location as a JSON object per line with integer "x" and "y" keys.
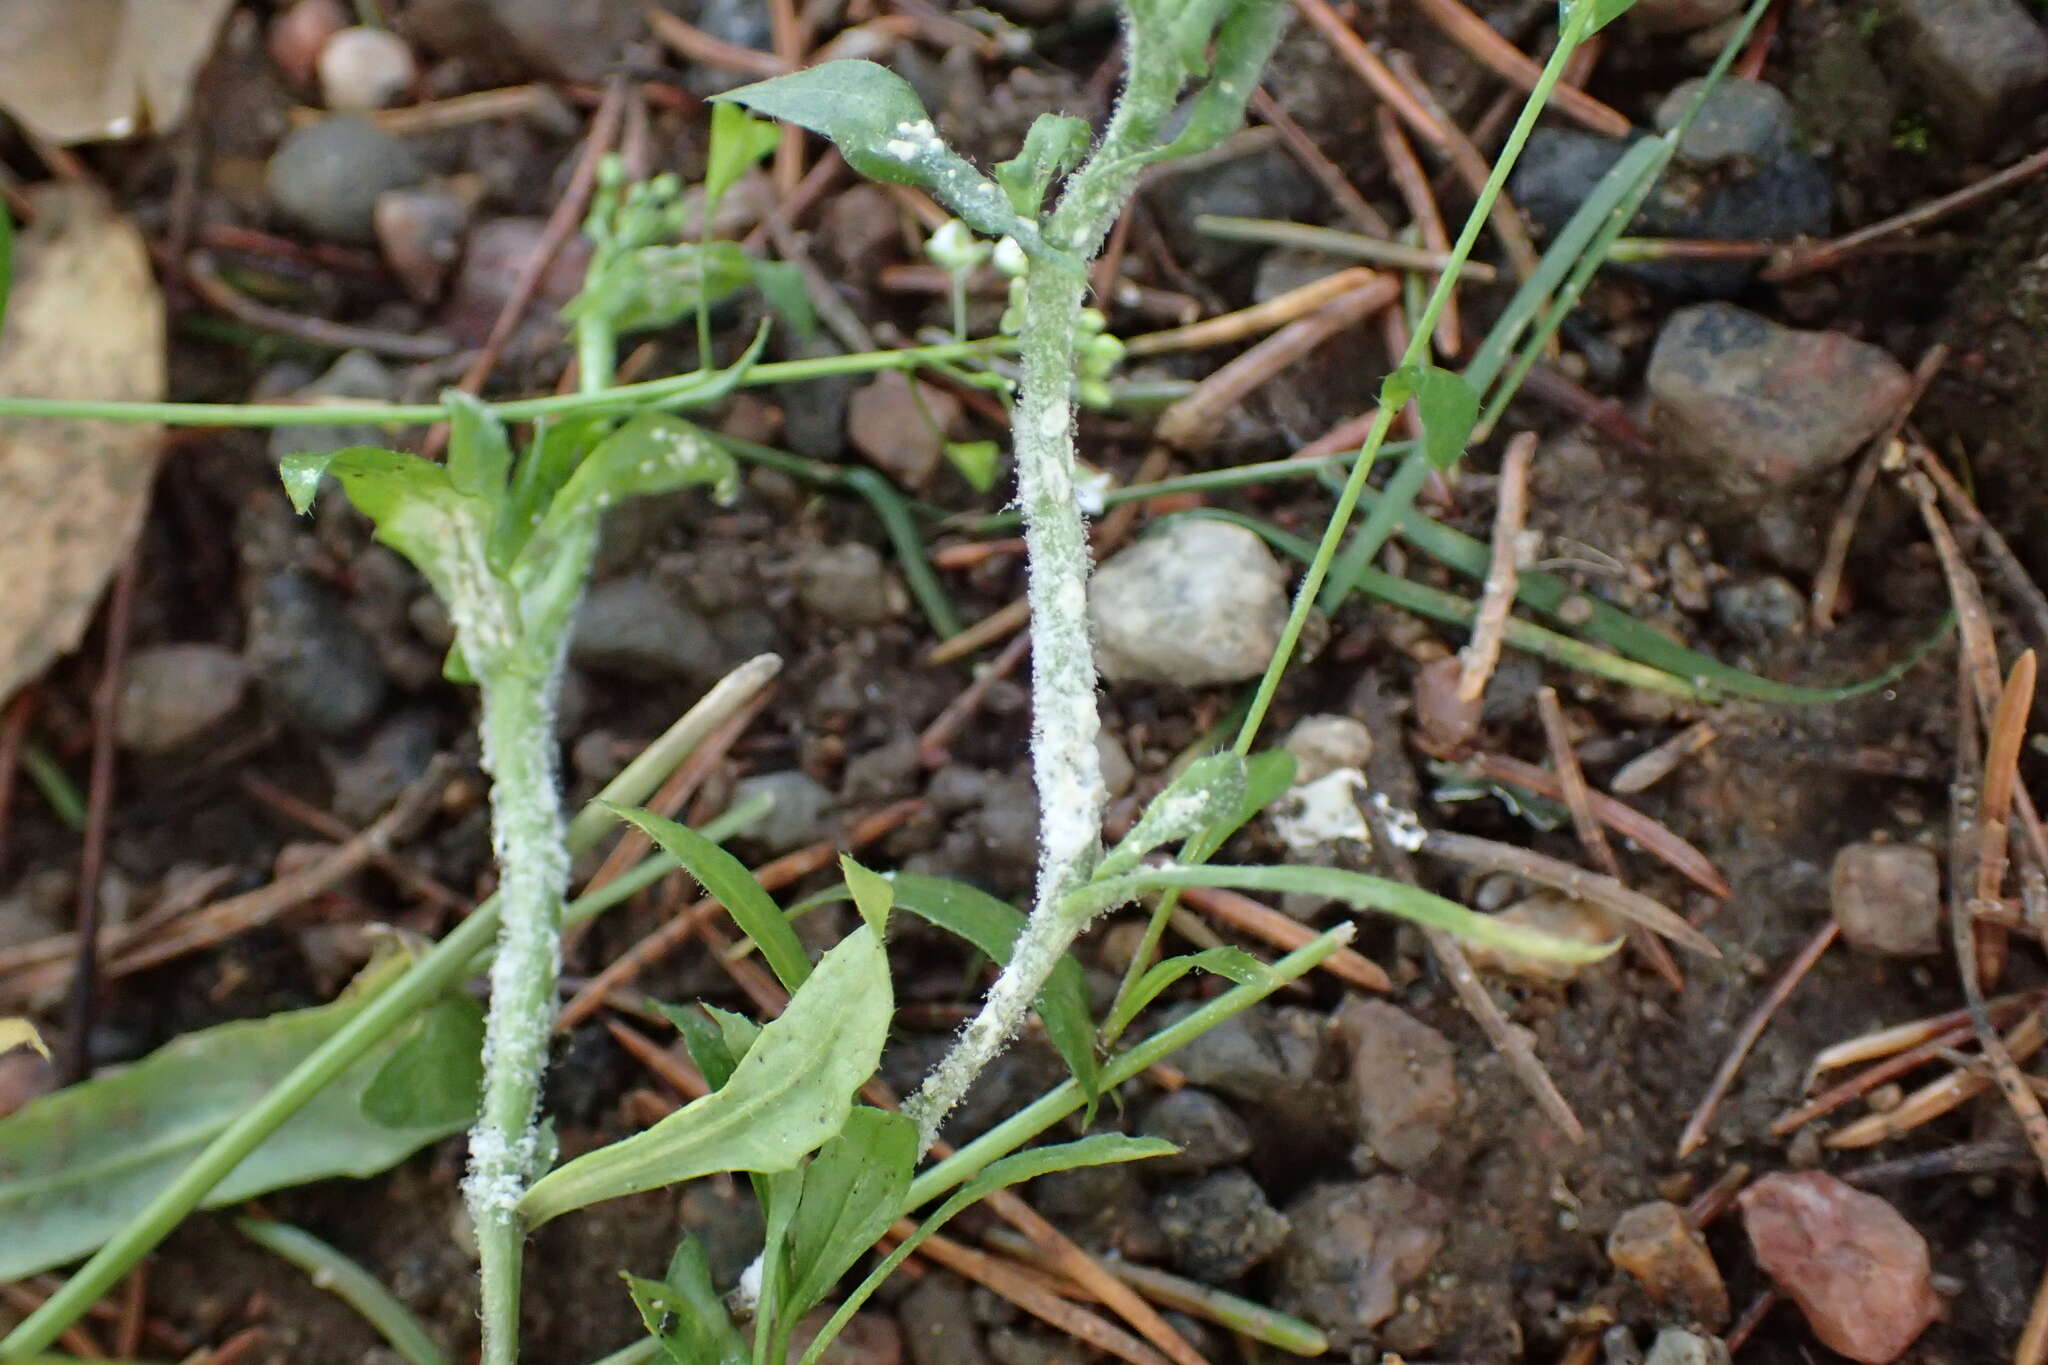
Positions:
{"x": 1582, "y": 546}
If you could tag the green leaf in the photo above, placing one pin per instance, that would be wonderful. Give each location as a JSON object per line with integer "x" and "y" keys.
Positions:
{"x": 872, "y": 894}
{"x": 685, "y": 1314}
{"x": 1242, "y": 46}
{"x": 1449, "y": 405}
{"x": 1605, "y": 12}
{"x": 780, "y": 1194}
{"x": 652, "y": 452}
{"x": 1207, "y": 790}
{"x": 1102, "y": 1149}
{"x": 78, "y": 1165}
{"x": 853, "y": 1191}
{"x": 736, "y": 1030}
{"x": 704, "y": 1042}
{"x": 726, "y": 878}
{"x": 737, "y": 142}
{"x": 417, "y": 511}
{"x": 651, "y": 287}
{"x": 788, "y": 1096}
{"x": 782, "y": 286}
{"x": 436, "y": 1077}
{"x": 880, "y": 126}
{"x": 1235, "y": 963}
{"x": 1053, "y": 146}
{"x": 559, "y": 445}
{"x": 334, "y": 1272}
{"x": 479, "y": 457}
{"x": 1267, "y": 777}
{"x": 1366, "y": 893}
{"x": 977, "y": 462}
{"x": 992, "y": 926}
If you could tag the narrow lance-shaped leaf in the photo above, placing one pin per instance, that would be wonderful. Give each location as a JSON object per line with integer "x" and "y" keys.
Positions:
{"x": 1267, "y": 777}
{"x": 1243, "y": 44}
{"x": 737, "y": 142}
{"x": 417, "y": 511}
{"x": 780, "y": 1194}
{"x": 704, "y": 1042}
{"x": 1207, "y": 790}
{"x": 872, "y": 894}
{"x": 479, "y": 456}
{"x": 685, "y": 1314}
{"x": 1605, "y": 12}
{"x": 1366, "y": 893}
{"x": 1102, "y": 1149}
{"x": 1235, "y": 963}
{"x": 853, "y": 1191}
{"x": 726, "y": 878}
{"x": 788, "y": 1096}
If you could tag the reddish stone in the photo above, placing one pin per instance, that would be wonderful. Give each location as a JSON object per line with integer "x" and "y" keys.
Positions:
{"x": 1856, "y": 1268}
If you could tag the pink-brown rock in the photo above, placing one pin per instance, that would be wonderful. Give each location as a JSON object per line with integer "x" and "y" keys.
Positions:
{"x": 901, "y": 429}
{"x": 298, "y": 34}
{"x": 1403, "y": 1081}
{"x": 1445, "y": 717}
{"x": 1667, "y": 1257}
{"x": 1856, "y": 1268}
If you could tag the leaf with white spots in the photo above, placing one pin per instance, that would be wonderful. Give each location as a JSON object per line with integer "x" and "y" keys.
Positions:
{"x": 880, "y": 126}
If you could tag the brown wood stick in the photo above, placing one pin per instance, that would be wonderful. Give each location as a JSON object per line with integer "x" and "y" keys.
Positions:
{"x": 1486, "y": 46}
{"x": 1752, "y": 1029}
{"x": 1578, "y": 799}
{"x": 1497, "y": 598}
{"x": 1195, "y": 420}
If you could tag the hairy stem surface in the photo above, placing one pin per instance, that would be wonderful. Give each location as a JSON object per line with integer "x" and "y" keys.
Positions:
{"x": 1064, "y": 761}
{"x": 527, "y": 835}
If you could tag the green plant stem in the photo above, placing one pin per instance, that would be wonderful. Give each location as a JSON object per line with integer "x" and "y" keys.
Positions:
{"x": 597, "y": 354}
{"x": 674, "y": 391}
{"x": 349, "y": 1282}
{"x": 518, "y": 731}
{"x": 456, "y": 958}
{"x": 1027, "y": 1123}
{"x": 1064, "y": 760}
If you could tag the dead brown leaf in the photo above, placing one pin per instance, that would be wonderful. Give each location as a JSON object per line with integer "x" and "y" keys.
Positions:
{"x": 85, "y": 321}
{"x": 82, "y": 70}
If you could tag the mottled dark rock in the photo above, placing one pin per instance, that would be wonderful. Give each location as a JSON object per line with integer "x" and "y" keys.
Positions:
{"x": 314, "y": 665}
{"x": 1982, "y": 65}
{"x": 1207, "y": 1131}
{"x": 1763, "y": 407}
{"x": 1353, "y": 1248}
{"x": 1218, "y": 1226}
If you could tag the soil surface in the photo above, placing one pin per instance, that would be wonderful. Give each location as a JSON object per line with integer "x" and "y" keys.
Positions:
{"x": 346, "y": 704}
